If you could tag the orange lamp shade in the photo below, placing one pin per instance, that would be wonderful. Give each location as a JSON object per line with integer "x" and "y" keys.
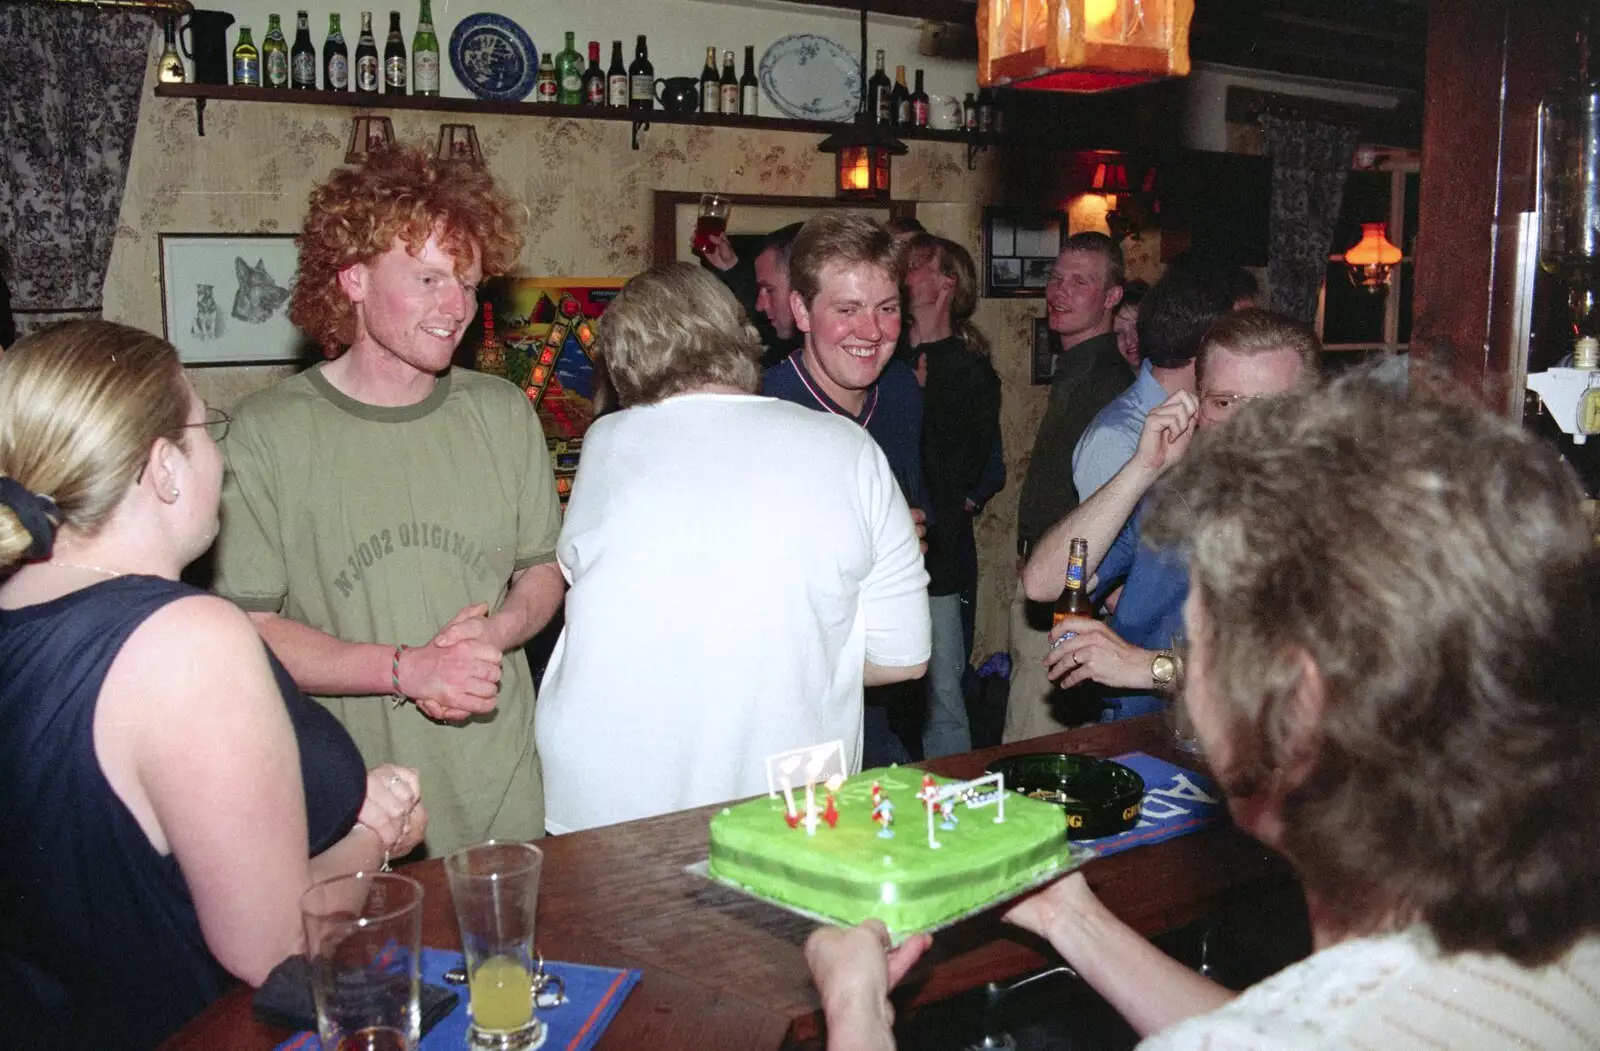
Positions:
{"x": 1373, "y": 258}
{"x": 1082, "y": 45}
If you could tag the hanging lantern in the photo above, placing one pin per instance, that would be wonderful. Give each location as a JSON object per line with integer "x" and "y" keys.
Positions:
{"x": 458, "y": 142}
{"x": 368, "y": 135}
{"x": 1372, "y": 259}
{"x": 861, "y": 162}
{"x": 1082, "y": 45}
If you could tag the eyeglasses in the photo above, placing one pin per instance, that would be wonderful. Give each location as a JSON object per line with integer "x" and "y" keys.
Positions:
{"x": 215, "y": 423}
{"x": 1219, "y": 405}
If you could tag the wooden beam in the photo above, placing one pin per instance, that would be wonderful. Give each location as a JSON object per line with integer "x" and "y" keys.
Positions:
{"x": 957, "y": 11}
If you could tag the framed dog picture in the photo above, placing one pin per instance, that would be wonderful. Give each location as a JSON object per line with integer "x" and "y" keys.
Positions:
{"x": 1020, "y": 246}
{"x": 225, "y": 298}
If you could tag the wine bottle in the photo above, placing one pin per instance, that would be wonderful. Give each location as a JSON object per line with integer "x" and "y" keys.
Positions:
{"x": 335, "y": 58}
{"x": 641, "y": 78}
{"x": 594, "y": 78}
{"x": 749, "y": 86}
{"x": 303, "y": 59}
{"x": 368, "y": 70}
{"x": 878, "y": 95}
{"x": 425, "y": 54}
{"x": 569, "y": 74}
{"x": 729, "y": 85}
{"x": 969, "y": 113}
{"x": 246, "y": 61}
{"x": 919, "y": 105}
{"x": 617, "y": 89}
{"x": 394, "y": 58}
{"x": 710, "y": 84}
{"x": 900, "y": 100}
{"x": 275, "y": 55}
{"x": 985, "y": 112}
{"x": 169, "y": 68}
{"x": 545, "y": 88}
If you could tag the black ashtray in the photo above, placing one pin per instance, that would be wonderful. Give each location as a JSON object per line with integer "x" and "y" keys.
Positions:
{"x": 1101, "y": 798}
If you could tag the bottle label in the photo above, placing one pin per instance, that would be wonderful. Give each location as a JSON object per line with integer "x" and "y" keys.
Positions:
{"x": 572, "y": 83}
{"x": 750, "y": 106}
{"x": 919, "y": 113}
{"x": 246, "y": 71}
{"x": 730, "y": 98}
{"x": 394, "y": 72}
{"x": 425, "y": 70}
{"x": 367, "y": 73}
{"x": 338, "y": 73}
{"x": 881, "y": 110}
{"x": 642, "y": 89}
{"x": 617, "y": 91}
{"x": 902, "y": 113}
{"x": 594, "y": 92}
{"x": 277, "y": 69}
{"x": 546, "y": 91}
{"x": 710, "y": 96}
{"x": 305, "y": 70}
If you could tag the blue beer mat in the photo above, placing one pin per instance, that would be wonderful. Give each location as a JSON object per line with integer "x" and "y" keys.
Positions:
{"x": 1176, "y": 802}
{"x": 594, "y": 995}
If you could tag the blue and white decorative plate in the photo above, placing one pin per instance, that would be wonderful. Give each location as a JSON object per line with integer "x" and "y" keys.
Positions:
{"x": 493, "y": 58}
{"x": 812, "y": 78}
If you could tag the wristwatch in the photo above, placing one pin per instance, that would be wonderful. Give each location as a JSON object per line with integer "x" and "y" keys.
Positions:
{"x": 1164, "y": 669}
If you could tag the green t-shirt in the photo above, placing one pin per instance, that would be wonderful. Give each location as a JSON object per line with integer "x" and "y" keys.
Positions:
{"x": 379, "y": 524}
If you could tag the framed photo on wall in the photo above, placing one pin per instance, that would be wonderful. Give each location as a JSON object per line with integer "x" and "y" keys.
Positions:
{"x": 225, "y": 298}
{"x": 1020, "y": 246}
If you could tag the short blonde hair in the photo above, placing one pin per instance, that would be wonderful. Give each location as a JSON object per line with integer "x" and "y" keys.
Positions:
{"x": 80, "y": 405}
{"x": 1254, "y": 331}
{"x": 846, "y": 239}
{"x": 675, "y": 328}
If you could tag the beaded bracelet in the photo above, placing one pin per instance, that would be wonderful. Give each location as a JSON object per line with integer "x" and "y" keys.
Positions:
{"x": 395, "y": 694}
{"x": 385, "y": 866}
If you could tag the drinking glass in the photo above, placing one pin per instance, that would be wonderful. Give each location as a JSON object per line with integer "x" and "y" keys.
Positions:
{"x": 364, "y": 939}
{"x": 712, "y": 220}
{"x": 496, "y": 892}
{"x": 1184, "y": 736}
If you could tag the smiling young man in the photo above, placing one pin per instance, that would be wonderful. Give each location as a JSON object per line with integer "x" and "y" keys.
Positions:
{"x": 390, "y": 522}
{"x": 1081, "y": 298}
{"x": 845, "y": 273}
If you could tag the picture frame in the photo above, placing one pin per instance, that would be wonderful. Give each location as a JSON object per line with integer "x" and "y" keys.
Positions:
{"x": 225, "y": 298}
{"x": 1042, "y": 360}
{"x": 1020, "y": 246}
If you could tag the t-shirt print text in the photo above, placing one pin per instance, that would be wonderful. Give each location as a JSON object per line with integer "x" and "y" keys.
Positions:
{"x": 366, "y": 553}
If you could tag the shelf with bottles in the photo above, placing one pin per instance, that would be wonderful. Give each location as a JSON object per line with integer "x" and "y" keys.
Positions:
{"x": 202, "y": 93}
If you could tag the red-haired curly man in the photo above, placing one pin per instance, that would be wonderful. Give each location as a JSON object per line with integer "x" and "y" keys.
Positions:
{"x": 390, "y": 522}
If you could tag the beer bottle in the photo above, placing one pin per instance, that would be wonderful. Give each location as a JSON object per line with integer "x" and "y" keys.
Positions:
{"x": 275, "y": 55}
{"x": 594, "y": 78}
{"x": 1074, "y": 600}
{"x": 729, "y": 85}
{"x": 425, "y": 55}
{"x": 394, "y": 58}
{"x": 246, "y": 61}
{"x": 749, "y": 86}
{"x": 169, "y": 70}
{"x": 303, "y": 59}
{"x": 369, "y": 73}
{"x": 617, "y": 78}
{"x": 641, "y": 78}
{"x": 335, "y": 58}
{"x": 710, "y": 84}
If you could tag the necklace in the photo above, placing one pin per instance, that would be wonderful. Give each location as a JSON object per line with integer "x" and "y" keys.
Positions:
{"x": 110, "y": 573}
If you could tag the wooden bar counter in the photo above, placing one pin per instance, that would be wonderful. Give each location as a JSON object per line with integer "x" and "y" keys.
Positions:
{"x": 724, "y": 971}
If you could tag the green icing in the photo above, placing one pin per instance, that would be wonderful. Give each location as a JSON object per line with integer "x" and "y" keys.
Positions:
{"x": 849, "y": 873}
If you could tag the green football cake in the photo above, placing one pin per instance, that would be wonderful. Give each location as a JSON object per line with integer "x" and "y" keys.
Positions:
{"x": 847, "y": 868}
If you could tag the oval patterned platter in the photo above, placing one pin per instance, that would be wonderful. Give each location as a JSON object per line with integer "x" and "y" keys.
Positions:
{"x": 811, "y": 77}
{"x": 493, "y": 58}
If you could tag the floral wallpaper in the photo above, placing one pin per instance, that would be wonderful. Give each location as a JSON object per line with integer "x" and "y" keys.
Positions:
{"x": 589, "y": 214}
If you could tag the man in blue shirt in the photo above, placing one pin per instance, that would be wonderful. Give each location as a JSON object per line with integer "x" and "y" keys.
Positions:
{"x": 845, "y": 273}
{"x": 1247, "y": 355}
{"x": 1173, "y": 319}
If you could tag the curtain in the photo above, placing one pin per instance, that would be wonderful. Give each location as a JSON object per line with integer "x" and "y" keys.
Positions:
{"x": 1310, "y": 161}
{"x": 73, "y": 80}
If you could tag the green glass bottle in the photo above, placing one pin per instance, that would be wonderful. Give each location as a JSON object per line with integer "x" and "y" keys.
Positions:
{"x": 425, "y": 55}
{"x": 246, "y": 61}
{"x": 569, "y": 74}
{"x": 275, "y": 55}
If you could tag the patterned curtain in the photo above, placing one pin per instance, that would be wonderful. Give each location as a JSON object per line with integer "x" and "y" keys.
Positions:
{"x": 73, "y": 80}
{"x": 1310, "y": 161}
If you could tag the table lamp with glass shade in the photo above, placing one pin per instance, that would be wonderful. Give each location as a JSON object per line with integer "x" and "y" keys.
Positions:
{"x": 1372, "y": 259}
